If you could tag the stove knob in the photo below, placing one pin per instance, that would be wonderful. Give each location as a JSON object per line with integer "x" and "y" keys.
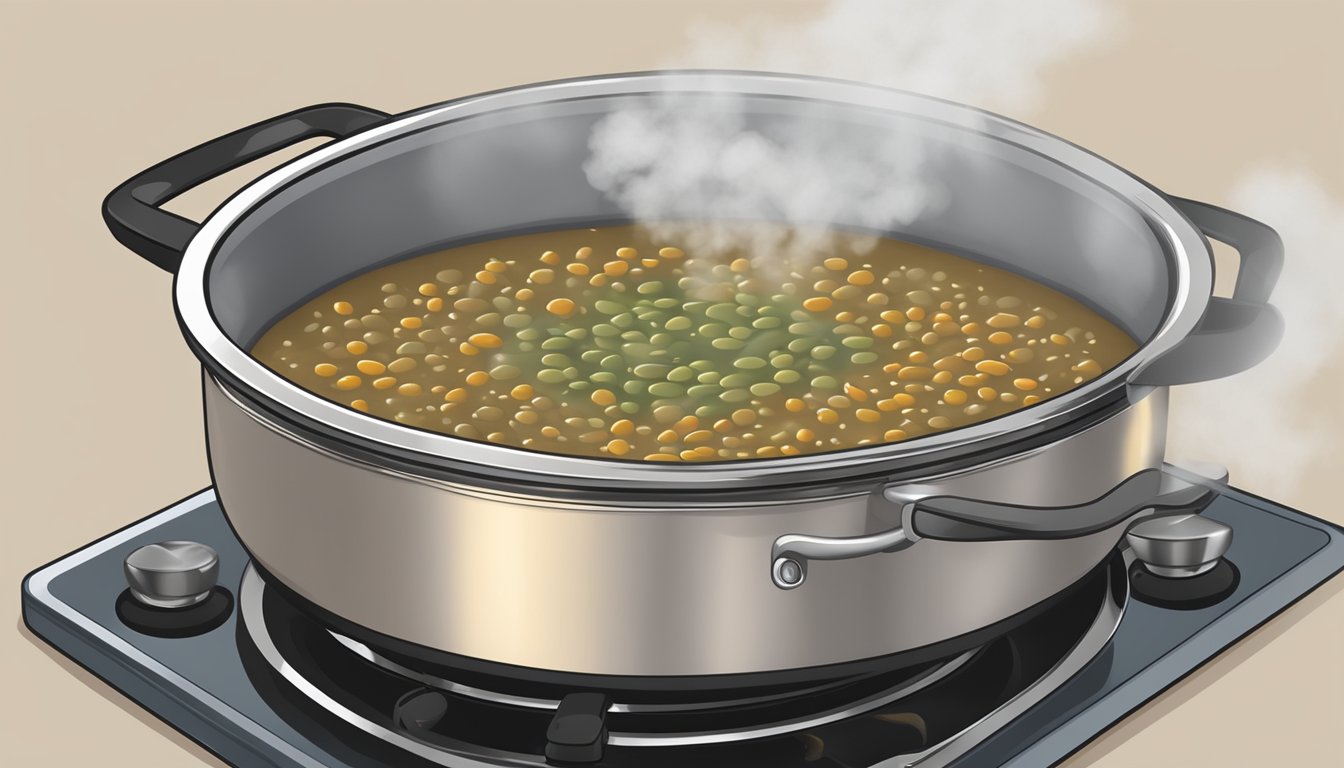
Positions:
{"x": 172, "y": 574}
{"x": 1179, "y": 546}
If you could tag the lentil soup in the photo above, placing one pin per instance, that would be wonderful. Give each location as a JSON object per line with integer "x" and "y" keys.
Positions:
{"x": 607, "y": 343}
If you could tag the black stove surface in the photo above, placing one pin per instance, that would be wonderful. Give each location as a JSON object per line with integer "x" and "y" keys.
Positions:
{"x": 212, "y": 687}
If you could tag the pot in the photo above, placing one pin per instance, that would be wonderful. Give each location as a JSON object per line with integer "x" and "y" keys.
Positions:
{"x": 525, "y": 564}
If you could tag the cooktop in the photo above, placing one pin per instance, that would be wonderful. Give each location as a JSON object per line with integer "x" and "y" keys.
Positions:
{"x": 256, "y": 683}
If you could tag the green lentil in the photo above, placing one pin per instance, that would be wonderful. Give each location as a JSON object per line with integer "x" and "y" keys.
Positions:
{"x": 724, "y": 313}
{"x": 666, "y": 389}
{"x": 737, "y": 380}
{"x": 735, "y": 396}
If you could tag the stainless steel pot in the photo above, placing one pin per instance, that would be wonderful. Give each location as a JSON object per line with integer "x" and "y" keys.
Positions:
{"x": 524, "y": 562}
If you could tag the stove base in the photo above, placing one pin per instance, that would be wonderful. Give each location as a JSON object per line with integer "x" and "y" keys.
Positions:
{"x": 200, "y": 685}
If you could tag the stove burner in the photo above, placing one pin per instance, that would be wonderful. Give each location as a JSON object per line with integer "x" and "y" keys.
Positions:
{"x": 914, "y": 712}
{"x": 772, "y": 710}
{"x": 622, "y": 705}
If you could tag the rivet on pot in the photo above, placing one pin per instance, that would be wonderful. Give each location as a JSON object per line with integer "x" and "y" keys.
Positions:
{"x": 788, "y": 573}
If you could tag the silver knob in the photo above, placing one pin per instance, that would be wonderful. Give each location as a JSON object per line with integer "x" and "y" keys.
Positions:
{"x": 1178, "y": 546}
{"x": 172, "y": 574}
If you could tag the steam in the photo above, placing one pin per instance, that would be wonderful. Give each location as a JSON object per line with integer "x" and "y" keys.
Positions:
{"x": 685, "y": 158}
{"x": 1268, "y": 411}
{"x": 677, "y": 158}
{"x": 992, "y": 55}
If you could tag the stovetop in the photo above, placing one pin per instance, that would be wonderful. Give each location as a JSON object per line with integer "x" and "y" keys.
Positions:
{"x": 209, "y": 686}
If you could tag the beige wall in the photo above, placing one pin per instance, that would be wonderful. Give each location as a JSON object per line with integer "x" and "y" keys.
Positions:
{"x": 101, "y": 418}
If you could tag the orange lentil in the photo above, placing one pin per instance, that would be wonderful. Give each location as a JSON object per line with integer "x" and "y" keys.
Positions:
{"x": 561, "y": 307}
{"x": 370, "y": 367}
{"x": 486, "y": 340}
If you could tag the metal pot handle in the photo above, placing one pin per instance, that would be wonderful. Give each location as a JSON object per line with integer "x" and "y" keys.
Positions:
{"x": 1235, "y": 333}
{"x": 953, "y": 518}
{"x": 132, "y": 210}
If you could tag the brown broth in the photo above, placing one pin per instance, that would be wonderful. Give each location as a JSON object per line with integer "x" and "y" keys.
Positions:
{"x": 609, "y": 343}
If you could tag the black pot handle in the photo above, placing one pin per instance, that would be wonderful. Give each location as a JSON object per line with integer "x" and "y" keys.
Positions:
{"x": 1235, "y": 333}
{"x": 953, "y": 518}
{"x": 132, "y": 210}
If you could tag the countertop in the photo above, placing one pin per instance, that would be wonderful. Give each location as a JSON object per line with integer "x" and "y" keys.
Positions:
{"x": 101, "y": 400}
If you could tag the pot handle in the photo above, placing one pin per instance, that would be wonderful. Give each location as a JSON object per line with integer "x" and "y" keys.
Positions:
{"x": 1235, "y": 333}
{"x": 953, "y": 518}
{"x": 132, "y": 210}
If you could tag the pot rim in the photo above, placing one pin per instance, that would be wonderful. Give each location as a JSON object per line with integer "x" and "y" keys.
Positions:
{"x": 1192, "y": 283}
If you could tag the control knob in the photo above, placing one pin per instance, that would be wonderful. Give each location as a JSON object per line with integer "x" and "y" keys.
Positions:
{"x": 172, "y": 574}
{"x": 1179, "y": 546}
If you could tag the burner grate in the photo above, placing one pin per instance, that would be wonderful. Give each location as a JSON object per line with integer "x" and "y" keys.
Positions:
{"x": 914, "y": 710}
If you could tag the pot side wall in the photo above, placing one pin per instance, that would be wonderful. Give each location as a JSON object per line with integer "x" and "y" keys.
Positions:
{"x": 600, "y": 590}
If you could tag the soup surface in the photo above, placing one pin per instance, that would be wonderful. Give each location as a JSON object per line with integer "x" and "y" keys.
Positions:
{"x": 608, "y": 343}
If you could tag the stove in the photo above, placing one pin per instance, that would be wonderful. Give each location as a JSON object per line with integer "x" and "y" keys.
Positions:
{"x": 243, "y": 672}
